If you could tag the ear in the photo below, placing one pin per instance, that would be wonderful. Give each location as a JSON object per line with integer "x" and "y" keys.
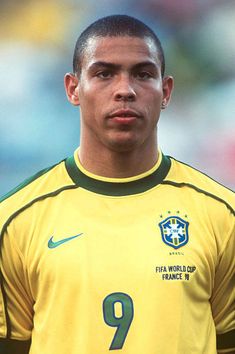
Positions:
{"x": 71, "y": 88}
{"x": 167, "y": 87}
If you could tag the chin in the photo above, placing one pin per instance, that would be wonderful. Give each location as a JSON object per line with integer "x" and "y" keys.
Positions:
{"x": 125, "y": 145}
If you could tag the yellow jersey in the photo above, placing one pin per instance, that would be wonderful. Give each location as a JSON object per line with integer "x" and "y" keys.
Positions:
{"x": 140, "y": 265}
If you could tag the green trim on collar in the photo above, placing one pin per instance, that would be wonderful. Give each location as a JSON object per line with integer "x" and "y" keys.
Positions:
{"x": 117, "y": 189}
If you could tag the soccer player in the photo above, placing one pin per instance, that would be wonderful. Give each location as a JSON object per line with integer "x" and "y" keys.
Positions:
{"x": 119, "y": 247}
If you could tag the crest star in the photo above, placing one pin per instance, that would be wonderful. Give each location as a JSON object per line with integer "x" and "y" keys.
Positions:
{"x": 174, "y": 231}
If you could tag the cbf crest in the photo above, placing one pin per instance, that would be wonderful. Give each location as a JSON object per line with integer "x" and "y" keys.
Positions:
{"x": 174, "y": 231}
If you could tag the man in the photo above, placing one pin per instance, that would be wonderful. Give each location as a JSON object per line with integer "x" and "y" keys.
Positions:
{"x": 118, "y": 247}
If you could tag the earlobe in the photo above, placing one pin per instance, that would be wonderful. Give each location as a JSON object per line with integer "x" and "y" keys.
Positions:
{"x": 71, "y": 88}
{"x": 167, "y": 86}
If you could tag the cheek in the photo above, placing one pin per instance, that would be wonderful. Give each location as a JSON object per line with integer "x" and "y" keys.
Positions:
{"x": 153, "y": 101}
{"x": 87, "y": 97}
{"x": 153, "y": 92}
{"x": 85, "y": 87}
{"x": 90, "y": 105}
{"x": 152, "y": 106}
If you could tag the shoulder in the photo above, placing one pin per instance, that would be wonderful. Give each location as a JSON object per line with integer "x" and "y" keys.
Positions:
{"x": 189, "y": 178}
{"x": 44, "y": 184}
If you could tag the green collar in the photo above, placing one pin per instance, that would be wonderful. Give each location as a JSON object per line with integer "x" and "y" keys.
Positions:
{"x": 116, "y": 188}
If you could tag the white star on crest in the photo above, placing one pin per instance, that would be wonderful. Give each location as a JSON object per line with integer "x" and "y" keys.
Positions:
{"x": 174, "y": 232}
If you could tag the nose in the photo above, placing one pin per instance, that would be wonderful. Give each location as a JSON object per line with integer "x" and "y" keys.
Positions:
{"x": 125, "y": 90}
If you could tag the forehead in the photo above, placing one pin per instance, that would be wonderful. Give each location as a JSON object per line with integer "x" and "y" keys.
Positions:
{"x": 119, "y": 50}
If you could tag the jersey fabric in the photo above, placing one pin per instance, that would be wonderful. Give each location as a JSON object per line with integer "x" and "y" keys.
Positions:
{"x": 139, "y": 265}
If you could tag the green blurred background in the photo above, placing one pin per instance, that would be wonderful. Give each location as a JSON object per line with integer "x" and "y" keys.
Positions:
{"x": 38, "y": 127}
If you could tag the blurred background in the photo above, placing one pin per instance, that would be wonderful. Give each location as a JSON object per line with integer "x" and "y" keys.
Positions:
{"x": 38, "y": 127}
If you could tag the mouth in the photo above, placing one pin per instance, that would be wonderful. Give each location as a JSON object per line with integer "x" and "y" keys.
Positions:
{"x": 124, "y": 113}
{"x": 124, "y": 116}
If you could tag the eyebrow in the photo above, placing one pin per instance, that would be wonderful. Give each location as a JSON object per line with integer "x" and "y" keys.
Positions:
{"x": 113, "y": 66}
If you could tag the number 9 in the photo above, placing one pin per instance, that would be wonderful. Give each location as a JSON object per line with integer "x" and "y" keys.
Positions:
{"x": 122, "y": 323}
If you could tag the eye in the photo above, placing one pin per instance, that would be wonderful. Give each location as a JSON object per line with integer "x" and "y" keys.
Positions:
{"x": 104, "y": 74}
{"x": 144, "y": 75}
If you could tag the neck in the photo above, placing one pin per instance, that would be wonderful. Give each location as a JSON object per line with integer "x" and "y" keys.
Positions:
{"x": 108, "y": 163}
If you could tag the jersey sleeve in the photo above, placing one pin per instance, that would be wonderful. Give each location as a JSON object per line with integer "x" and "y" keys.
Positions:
{"x": 223, "y": 299}
{"x": 16, "y": 304}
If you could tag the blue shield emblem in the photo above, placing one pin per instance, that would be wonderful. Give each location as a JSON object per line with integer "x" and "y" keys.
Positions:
{"x": 174, "y": 231}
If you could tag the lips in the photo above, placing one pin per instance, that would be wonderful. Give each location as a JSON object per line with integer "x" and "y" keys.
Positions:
{"x": 124, "y": 113}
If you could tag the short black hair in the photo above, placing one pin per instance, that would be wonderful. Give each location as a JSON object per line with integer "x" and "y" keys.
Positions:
{"x": 115, "y": 26}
